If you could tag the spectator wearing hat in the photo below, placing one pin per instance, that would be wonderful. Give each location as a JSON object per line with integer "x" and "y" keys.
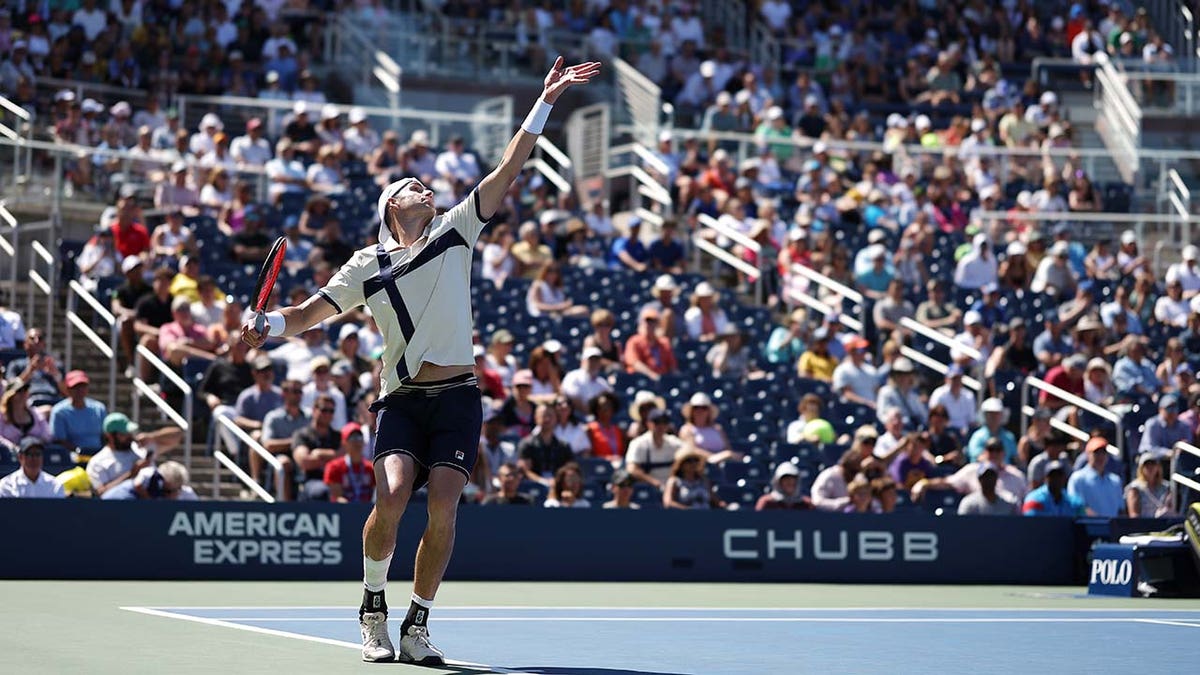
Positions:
{"x": 1148, "y": 495}
{"x": 1015, "y": 271}
{"x": 966, "y": 480}
{"x": 936, "y": 312}
{"x": 1165, "y": 429}
{"x": 251, "y": 150}
{"x": 817, "y": 362}
{"x": 286, "y": 171}
{"x": 40, "y": 370}
{"x": 350, "y": 478}
{"x": 994, "y": 417}
{"x": 359, "y": 139}
{"x": 987, "y": 501}
{"x": 1134, "y": 373}
{"x": 687, "y": 487}
{"x": 959, "y": 401}
{"x": 517, "y": 413}
{"x": 621, "y": 488}
{"x": 76, "y": 422}
{"x": 29, "y": 481}
{"x": 1097, "y": 383}
{"x": 329, "y": 129}
{"x": 541, "y": 453}
{"x": 587, "y": 381}
{"x": 1052, "y": 498}
{"x": 1130, "y": 261}
{"x": 18, "y": 419}
{"x": 176, "y": 192}
{"x": 1100, "y": 491}
{"x": 182, "y": 338}
{"x": 785, "y": 491}
{"x": 1187, "y": 272}
{"x": 786, "y": 343}
{"x": 301, "y": 131}
{"x": 702, "y": 434}
{"x": 666, "y": 253}
{"x": 900, "y": 392}
{"x": 628, "y": 251}
{"x": 730, "y": 357}
{"x": 499, "y": 356}
{"x": 168, "y": 480}
{"x": 530, "y": 252}
{"x": 652, "y": 454}
{"x": 854, "y": 379}
{"x": 873, "y": 282}
{"x": 126, "y": 452}
{"x": 1054, "y": 275}
{"x": 509, "y": 476}
{"x": 647, "y": 352}
{"x": 979, "y": 266}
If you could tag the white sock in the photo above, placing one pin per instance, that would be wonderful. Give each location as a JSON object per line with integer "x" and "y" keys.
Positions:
{"x": 427, "y": 604}
{"x": 375, "y": 573}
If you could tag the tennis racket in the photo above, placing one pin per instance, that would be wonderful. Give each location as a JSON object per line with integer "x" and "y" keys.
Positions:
{"x": 266, "y": 282}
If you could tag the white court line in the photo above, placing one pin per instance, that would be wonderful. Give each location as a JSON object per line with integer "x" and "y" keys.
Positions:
{"x": 707, "y": 619}
{"x": 578, "y": 608}
{"x": 1164, "y": 622}
{"x": 296, "y": 636}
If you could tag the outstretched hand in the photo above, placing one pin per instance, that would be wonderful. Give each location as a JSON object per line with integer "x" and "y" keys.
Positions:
{"x": 560, "y": 78}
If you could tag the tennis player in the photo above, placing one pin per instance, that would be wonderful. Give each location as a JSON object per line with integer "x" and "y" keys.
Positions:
{"x": 416, "y": 282}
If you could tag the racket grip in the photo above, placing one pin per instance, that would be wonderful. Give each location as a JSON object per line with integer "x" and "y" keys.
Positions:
{"x": 260, "y": 322}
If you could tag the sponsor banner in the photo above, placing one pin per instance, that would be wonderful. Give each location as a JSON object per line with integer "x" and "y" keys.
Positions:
{"x": 80, "y": 539}
{"x": 1112, "y": 570}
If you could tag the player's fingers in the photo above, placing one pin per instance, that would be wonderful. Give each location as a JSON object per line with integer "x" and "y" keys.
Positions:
{"x": 558, "y": 63}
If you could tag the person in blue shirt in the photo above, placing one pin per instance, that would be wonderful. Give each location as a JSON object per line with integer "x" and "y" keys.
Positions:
{"x": 786, "y": 343}
{"x": 1052, "y": 498}
{"x": 1165, "y": 429}
{"x": 76, "y": 421}
{"x": 989, "y": 307}
{"x": 1101, "y": 492}
{"x": 1053, "y": 345}
{"x": 1133, "y": 373}
{"x": 874, "y": 282}
{"x": 993, "y": 427}
{"x": 629, "y": 251}
{"x": 666, "y": 253}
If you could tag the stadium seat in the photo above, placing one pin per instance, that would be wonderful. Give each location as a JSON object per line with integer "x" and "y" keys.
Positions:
{"x": 647, "y": 496}
{"x": 536, "y": 492}
{"x": 745, "y": 496}
{"x": 941, "y": 502}
{"x": 595, "y": 469}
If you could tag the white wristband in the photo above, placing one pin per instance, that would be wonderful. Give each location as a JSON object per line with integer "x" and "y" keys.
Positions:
{"x": 276, "y": 324}
{"x": 536, "y": 120}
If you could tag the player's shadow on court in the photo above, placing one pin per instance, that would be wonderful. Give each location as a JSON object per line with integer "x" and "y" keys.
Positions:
{"x": 549, "y": 670}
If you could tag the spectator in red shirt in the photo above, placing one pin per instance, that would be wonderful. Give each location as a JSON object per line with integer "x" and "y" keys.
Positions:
{"x": 1067, "y": 375}
{"x": 183, "y": 337}
{"x": 350, "y": 478}
{"x": 130, "y": 237}
{"x": 646, "y": 352}
{"x": 489, "y": 380}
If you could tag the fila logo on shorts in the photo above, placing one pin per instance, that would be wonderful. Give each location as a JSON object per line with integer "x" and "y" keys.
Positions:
{"x": 458, "y": 454}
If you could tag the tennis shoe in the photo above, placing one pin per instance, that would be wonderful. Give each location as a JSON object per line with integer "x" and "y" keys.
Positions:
{"x": 416, "y": 648}
{"x": 377, "y": 646}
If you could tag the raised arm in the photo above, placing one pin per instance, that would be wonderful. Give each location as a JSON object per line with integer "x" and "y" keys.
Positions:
{"x": 297, "y": 319}
{"x": 493, "y": 187}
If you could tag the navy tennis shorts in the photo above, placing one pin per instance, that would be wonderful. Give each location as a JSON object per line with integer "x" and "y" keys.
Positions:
{"x": 435, "y": 423}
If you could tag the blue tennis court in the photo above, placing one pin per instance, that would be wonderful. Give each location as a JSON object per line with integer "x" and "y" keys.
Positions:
{"x": 662, "y": 640}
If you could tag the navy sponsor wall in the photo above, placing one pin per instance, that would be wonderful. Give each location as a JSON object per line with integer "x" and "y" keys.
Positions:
{"x": 79, "y": 539}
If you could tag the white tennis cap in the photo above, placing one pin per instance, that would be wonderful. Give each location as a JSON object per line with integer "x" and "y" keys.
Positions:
{"x": 393, "y": 189}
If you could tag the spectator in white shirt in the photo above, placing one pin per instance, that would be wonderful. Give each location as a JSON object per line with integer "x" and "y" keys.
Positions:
{"x": 360, "y": 139}
{"x": 204, "y": 141}
{"x": 587, "y": 381}
{"x": 1187, "y": 272}
{"x": 978, "y": 267}
{"x": 457, "y": 166}
{"x": 1172, "y": 309}
{"x": 91, "y": 18}
{"x": 960, "y": 402}
{"x": 300, "y": 353}
{"x": 252, "y": 149}
{"x": 30, "y": 481}
{"x": 776, "y": 13}
{"x": 686, "y": 27}
{"x": 285, "y": 171}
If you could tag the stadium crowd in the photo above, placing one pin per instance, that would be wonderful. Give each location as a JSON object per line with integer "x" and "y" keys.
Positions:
{"x": 671, "y": 391}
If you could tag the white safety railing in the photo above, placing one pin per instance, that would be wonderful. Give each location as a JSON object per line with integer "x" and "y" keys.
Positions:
{"x": 42, "y": 284}
{"x": 1078, "y": 434}
{"x": 1032, "y": 382}
{"x": 75, "y": 293}
{"x": 19, "y": 128}
{"x": 639, "y": 101}
{"x": 1188, "y": 486}
{"x": 708, "y": 229}
{"x": 552, "y": 163}
{"x": 142, "y": 388}
{"x": 223, "y": 459}
{"x": 1174, "y": 199}
{"x": 10, "y": 248}
{"x": 639, "y": 162}
{"x": 587, "y": 132}
{"x": 1119, "y": 120}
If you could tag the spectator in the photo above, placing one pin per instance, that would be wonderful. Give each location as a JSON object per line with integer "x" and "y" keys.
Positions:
{"x": 646, "y": 352}
{"x": 892, "y": 308}
{"x": 854, "y": 379}
{"x": 601, "y": 338}
{"x": 182, "y": 338}
{"x": 687, "y": 487}
{"x": 252, "y": 150}
{"x": 894, "y": 440}
{"x": 1164, "y": 430}
{"x": 860, "y": 497}
{"x": 170, "y": 240}
{"x": 499, "y": 263}
{"x": 517, "y": 411}
{"x": 18, "y": 419}
{"x": 122, "y": 456}
{"x": 666, "y": 253}
{"x": 1052, "y": 498}
{"x": 829, "y": 490}
{"x": 586, "y": 382}
{"x": 1100, "y": 491}
{"x": 313, "y": 447}
{"x": 29, "y": 481}
{"x": 810, "y": 427}
{"x": 168, "y": 480}
{"x": 978, "y": 267}
{"x": 651, "y": 454}
{"x": 701, "y": 433}
{"x": 360, "y": 139}
{"x": 279, "y": 428}
{"x": 1172, "y": 309}
{"x": 621, "y": 487}
{"x": 568, "y": 429}
{"x": 1187, "y": 272}
{"x": 509, "y": 476}
{"x": 959, "y": 401}
{"x": 705, "y": 320}
{"x": 217, "y": 190}
{"x": 541, "y": 453}
{"x": 299, "y": 354}
{"x": 1055, "y": 450}
{"x": 629, "y": 251}
{"x": 546, "y": 296}
{"x": 286, "y": 172}
{"x": 76, "y": 422}
{"x": 532, "y": 254}
{"x": 224, "y": 381}
{"x": 786, "y": 343}
{"x": 1015, "y": 355}
{"x": 351, "y": 478}
{"x": 913, "y": 464}
{"x": 1148, "y": 495}
{"x": 457, "y": 167}
{"x": 936, "y": 312}
{"x": 730, "y": 357}
{"x": 321, "y": 384}
{"x": 176, "y": 193}
{"x": 1054, "y": 275}
{"x": 547, "y": 373}
{"x": 945, "y": 443}
{"x": 785, "y": 491}
{"x": 1053, "y": 345}
{"x": 567, "y": 489}
{"x": 40, "y": 370}
{"x": 995, "y": 415}
{"x": 606, "y": 436}
{"x": 1034, "y": 439}
{"x": 130, "y": 237}
{"x": 966, "y": 480}
{"x": 1133, "y": 373}
{"x": 499, "y": 451}
{"x": 817, "y": 363}
{"x": 987, "y": 501}
{"x": 258, "y": 399}
{"x": 98, "y": 259}
{"x": 901, "y": 393}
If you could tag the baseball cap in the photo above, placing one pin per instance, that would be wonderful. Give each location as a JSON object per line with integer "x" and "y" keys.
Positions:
{"x": 477, "y": 351}
{"x": 523, "y": 378}
{"x": 656, "y": 414}
{"x": 118, "y": 423}
{"x": 300, "y": 108}
{"x": 1191, "y": 252}
{"x": 1075, "y": 362}
{"x": 857, "y": 342}
{"x": 786, "y": 469}
{"x": 590, "y": 352}
{"x": 820, "y": 334}
{"x": 972, "y": 318}
{"x": 903, "y": 365}
{"x": 622, "y": 477}
{"x": 1096, "y": 443}
{"x": 350, "y": 429}
{"x": 130, "y": 263}
{"x": 708, "y": 68}
{"x": 330, "y": 112}
{"x": 262, "y": 363}
{"x": 992, "y": 405}
{"x": 1144, "y": 458}
{"x": 985, "y": 467}
{"x": 76, "y": 377}
{"x": 1060, "y": 249}
{"x": 1128, "y": 237}
{"x": 1016, "y": 248}
{"x": 356, "y": 115}
{"x": 342, "y": 367}
{"x": 1055, "y": 465}
{"x": 253, "y": 123}
{"x": 954, "y": 370}
{"x": 30, "y": 442}
{"x": 552, "y": 346}
{"x": 320, "y": 362}
{"x": 502, "y": 336}
{"x": 1168, "y": 401}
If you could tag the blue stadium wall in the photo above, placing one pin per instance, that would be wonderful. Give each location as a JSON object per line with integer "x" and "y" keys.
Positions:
{"x": 75, "y": 539}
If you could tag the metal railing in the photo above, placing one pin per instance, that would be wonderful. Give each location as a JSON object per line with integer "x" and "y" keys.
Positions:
{"x": 1174, "y": 21}
{"x": 1174, "y": 195}
{"x": 552, "y": 164}
{"x": 1078, "y": 434}
{"x": 639, "y": 102}
{"x": 702, "y": 244}
{"x": 142, "y": 388}
{"x": 1119, "y": 117}
{"x": 76, "y": 292}
{"x": 21, "y": 128}
{"x": 11, "y": 248}
{"x": 1188, "y": 486}
{"x": 223, "y": 459}
{"x": 1032, "y": 382}
{"x": 43, "y": 284}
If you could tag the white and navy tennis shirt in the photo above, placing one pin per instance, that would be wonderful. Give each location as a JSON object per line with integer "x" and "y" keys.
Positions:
{"x": 419, "y": 295}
